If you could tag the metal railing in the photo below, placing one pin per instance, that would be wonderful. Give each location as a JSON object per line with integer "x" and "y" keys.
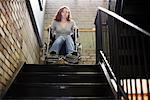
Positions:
{"x": 129, "y": 56}
{"x": 110, "y": 76}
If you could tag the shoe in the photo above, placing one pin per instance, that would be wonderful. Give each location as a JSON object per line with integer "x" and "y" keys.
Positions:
{"x": 53, "y": 54}
{"x": 72, "y": 58}
{"x": 72, "y": 55}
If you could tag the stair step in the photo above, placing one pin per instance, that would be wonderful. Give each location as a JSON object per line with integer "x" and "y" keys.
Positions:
{"x": 60, "y": 82}
{"x": 64, "y": 98}
{"x": 61, "y": 68}
{"x": 60, "y": 90}
{"x": 61, "y": 77}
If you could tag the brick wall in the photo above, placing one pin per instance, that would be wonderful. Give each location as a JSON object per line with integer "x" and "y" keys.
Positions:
{"x": 17, "y": 39}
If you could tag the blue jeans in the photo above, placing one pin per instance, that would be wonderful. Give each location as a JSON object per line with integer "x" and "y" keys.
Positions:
{"x": 56, "y": 46}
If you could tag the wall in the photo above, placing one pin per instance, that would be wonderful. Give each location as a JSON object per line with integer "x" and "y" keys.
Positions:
{"x": 38, "y": 14}
{"x": 87, "y": 40}
{"x": 17, "y": 39}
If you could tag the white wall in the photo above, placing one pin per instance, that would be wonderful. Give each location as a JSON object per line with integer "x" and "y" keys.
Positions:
{"x": 38, "y": 14}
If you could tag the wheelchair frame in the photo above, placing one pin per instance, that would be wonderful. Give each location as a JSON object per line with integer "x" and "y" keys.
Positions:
{"x": 51, "y": 39}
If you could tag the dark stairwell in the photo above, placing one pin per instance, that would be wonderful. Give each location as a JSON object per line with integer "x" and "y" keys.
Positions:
{"x": 60, "y": 82}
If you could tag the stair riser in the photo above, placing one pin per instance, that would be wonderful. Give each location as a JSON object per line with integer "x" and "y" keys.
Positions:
{"x": 35, "y": 78}
{"x": 62, "y": 98}
{"x": 61, "y": 69}
{"x": 46, "y": 91}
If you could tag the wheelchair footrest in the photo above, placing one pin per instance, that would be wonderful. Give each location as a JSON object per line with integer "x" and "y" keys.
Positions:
{"x": 73, "y": 60}
{"x": 62, "y": 60}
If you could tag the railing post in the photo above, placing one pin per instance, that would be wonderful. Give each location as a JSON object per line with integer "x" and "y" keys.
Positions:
{"x": 98, "y": 26}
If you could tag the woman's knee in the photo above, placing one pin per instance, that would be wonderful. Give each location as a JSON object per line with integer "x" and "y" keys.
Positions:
{"x": 60, "y": 39}
{"x": 69, "y": 38}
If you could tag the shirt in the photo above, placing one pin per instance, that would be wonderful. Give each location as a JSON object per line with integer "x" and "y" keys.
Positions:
{"x": 62, "y": 31}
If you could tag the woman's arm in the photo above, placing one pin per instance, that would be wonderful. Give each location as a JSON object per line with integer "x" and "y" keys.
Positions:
{"x": 51, "y": 29}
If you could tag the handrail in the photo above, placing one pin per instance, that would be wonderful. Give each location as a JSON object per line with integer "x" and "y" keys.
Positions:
{"x": 104, "y": 58}
{"x": 114, "y": 91}
{"x": 34, "y": 24}
{"x": 123, "y": 20}
{"x": 106, "y": 72}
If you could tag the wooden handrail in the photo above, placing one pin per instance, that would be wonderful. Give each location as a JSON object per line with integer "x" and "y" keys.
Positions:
{"x": 82, "y": 29}
{"x": 123, "y": 20}
{"x": 87, "y": 30}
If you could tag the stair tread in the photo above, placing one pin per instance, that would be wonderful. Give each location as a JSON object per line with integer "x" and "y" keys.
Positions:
{"x": 59, "y": 68}
{"x": 65, "y": 65}
{"x": 39, "y": 90}
{"x": 58, "y": 84}
{"x": 65, "y": 72}
{"x": 68, "y": 98}
{"x": 61, "y": 82}
{"x": 61, "y": 77}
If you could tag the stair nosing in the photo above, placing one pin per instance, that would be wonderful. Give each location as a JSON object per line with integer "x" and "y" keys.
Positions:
{"x": 70, "y": 97}
{"x": 70, "y": 84}
{"x": 66, "y": 73}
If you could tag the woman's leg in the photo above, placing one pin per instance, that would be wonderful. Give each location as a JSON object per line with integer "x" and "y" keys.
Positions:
{"x": 56, "y": 46}
{"x": 69, "y": 44}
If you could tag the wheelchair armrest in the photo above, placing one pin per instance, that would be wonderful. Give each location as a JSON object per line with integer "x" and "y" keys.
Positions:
{"x": 51, "y": 35}
{"x": 75, "y": 34}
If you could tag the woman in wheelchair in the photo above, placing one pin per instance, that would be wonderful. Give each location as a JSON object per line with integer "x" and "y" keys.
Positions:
{"x": 63, "y": 27}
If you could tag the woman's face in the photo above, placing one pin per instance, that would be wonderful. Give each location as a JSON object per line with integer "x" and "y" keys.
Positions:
{"x": 65, "y": 13}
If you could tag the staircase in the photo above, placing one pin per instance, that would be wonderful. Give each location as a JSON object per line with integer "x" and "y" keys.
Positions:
{"x": 60, "y": 82}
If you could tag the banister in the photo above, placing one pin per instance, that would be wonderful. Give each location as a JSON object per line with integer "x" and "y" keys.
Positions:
{"x": 123, "y": 20}
{"x": 104, "y": 58}
{"x": 108, "y": 69}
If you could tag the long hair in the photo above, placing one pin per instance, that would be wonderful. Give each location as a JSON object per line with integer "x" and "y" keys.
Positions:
{"x": 58, "y": 14}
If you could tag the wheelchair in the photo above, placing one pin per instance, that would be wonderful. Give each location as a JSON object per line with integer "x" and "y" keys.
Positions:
{"x": 61, "y": 58}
